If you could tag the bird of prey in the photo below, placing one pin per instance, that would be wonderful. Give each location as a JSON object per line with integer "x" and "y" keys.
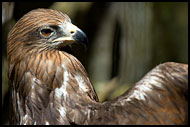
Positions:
{"x": 51, "y": 86}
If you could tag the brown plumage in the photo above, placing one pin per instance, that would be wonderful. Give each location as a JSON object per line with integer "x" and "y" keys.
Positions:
{"x": 50, "y": 86}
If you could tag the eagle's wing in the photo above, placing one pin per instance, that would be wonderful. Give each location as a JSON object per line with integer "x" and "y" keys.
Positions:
{"x": 158, "y": 98}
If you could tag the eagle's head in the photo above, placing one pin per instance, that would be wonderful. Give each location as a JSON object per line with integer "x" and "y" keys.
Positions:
{"x": 43, "y": 29}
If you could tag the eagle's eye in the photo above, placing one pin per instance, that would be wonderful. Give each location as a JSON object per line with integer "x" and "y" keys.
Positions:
{"x": 46, "y": 32}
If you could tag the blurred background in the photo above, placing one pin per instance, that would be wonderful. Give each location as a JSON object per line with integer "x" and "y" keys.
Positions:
{"x": 126, "y": 40}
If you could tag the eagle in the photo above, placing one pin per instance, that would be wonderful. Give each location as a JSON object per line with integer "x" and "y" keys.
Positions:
{"x": 50, "y": 86}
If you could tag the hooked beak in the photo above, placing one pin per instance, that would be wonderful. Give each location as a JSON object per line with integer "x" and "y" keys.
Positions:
{"x": 71, "y": 34}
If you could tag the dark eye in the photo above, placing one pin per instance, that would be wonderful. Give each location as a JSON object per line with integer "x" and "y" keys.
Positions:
{"x": 46, "y": 32}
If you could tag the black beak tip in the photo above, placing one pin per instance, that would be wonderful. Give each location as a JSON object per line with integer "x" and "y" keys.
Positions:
{"x": 81, "y": 37}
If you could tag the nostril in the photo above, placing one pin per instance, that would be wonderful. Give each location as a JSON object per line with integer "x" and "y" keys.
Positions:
{"x": 72, "y": 32}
